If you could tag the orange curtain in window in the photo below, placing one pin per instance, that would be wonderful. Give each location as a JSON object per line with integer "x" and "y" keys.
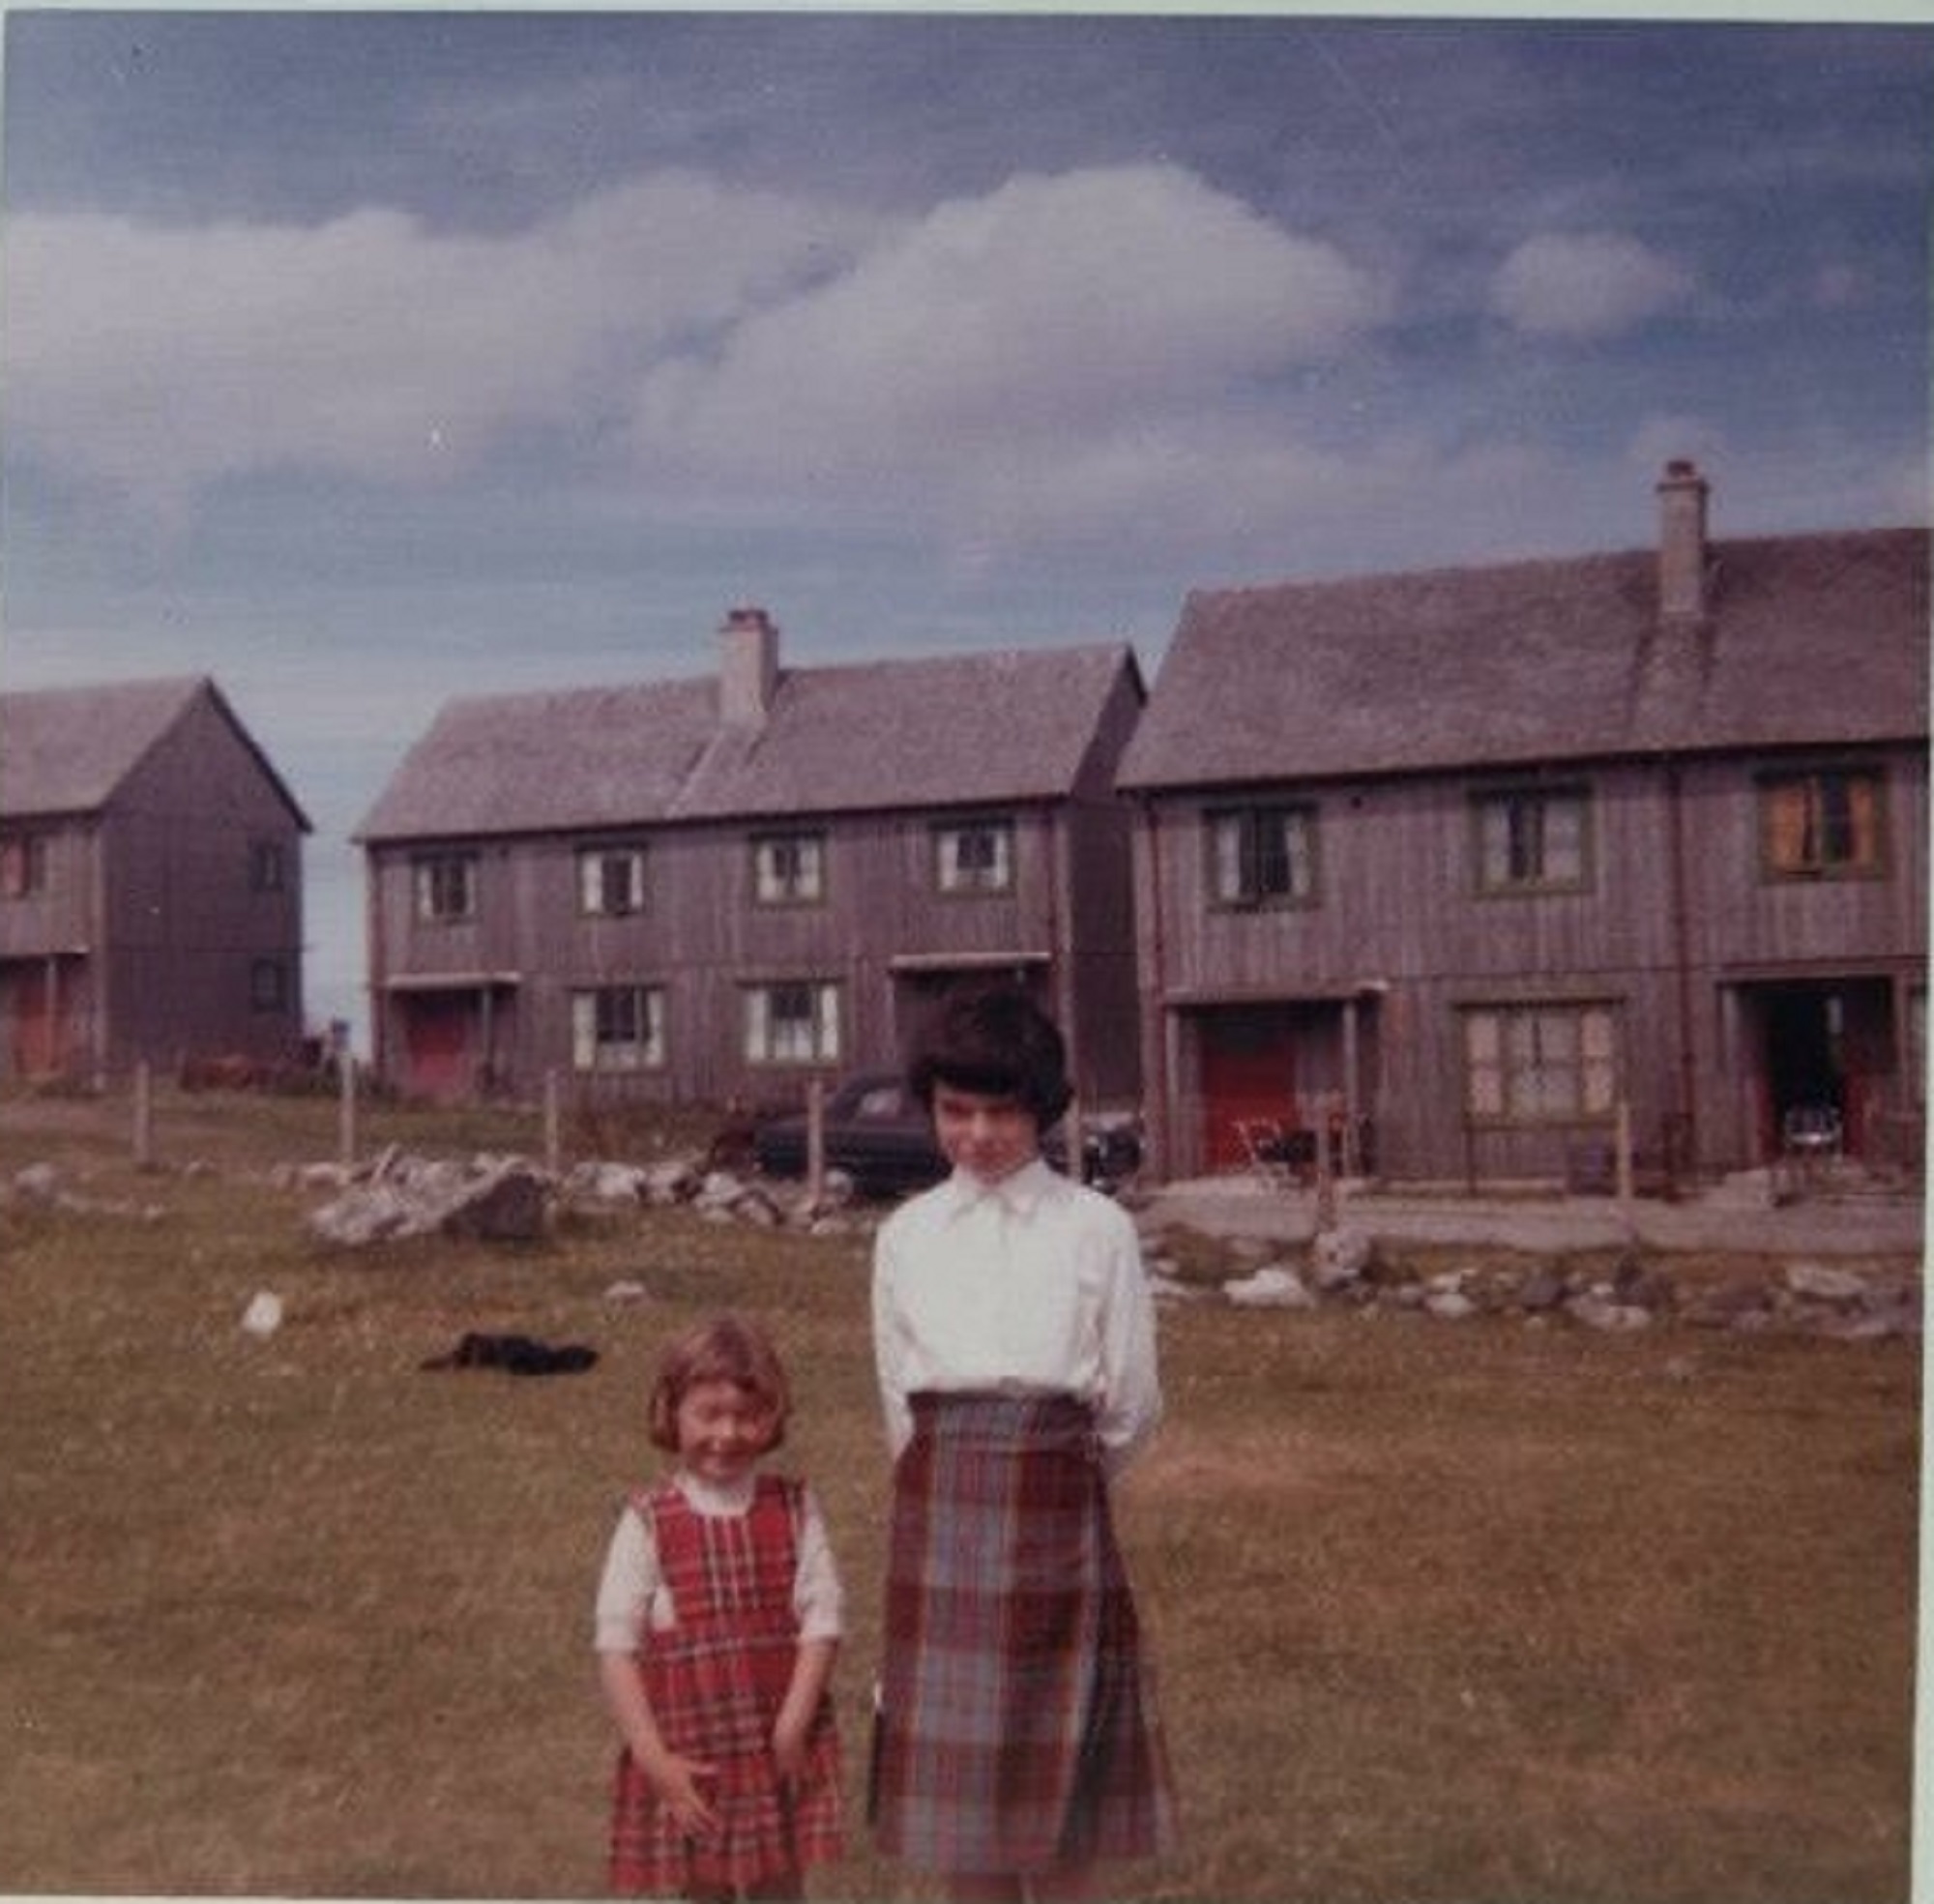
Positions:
{"x": 1786, "y": 806}
{"x": 1863, "y": 810}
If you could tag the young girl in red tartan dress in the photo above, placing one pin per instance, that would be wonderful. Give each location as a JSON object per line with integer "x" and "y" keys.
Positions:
{"x": 718, "y": 1618}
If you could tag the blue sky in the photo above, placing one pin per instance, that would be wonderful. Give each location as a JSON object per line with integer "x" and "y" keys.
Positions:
{"x": 364, "y": 359}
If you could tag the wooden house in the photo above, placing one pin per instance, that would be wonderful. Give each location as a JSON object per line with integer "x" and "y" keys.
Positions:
{"x": 150, "y": 884}
{"x": 715, "y": 888}
{"x": 1480, "y": 867}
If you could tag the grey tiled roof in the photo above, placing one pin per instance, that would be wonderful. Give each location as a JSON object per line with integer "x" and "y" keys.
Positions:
{"x": 1814, "y": 640}
{"x": 66, "y": 751}
{"x": 954, "y": 731}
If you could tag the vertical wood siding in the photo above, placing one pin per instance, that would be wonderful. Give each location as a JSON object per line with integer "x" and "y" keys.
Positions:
{"x": 1398, "y": 915}
{"x": 151, "y": 914}
{"x": 701, "y": 939}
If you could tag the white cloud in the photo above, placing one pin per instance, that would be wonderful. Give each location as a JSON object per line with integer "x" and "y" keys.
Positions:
{"x": 1051, "y": 312}
{"x": 158, "y": 359}
{"x": 1586, "y": 285}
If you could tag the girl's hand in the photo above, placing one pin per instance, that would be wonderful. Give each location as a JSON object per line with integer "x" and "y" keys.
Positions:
{"x": 678, "y": 1782}
{"x": 790, "y": 1739}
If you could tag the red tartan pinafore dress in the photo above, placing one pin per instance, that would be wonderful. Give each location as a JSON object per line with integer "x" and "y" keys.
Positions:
{"x": 715, "y": 1679}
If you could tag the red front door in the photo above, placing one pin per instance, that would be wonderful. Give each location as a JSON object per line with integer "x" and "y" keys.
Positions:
{"x": 437, "y": 1043}
{"x": 34, "y": 1021}
{"x": 1248, "y": 1071}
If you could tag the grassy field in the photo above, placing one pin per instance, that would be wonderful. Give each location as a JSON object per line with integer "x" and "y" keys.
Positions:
{"x": 1441, "y": 1613}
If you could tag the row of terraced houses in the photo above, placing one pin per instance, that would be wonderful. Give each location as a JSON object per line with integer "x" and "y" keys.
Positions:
{"x": 1475, "y": 862}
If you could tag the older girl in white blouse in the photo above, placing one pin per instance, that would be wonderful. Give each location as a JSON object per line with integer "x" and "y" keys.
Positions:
{"x": 1014, "y": 1339}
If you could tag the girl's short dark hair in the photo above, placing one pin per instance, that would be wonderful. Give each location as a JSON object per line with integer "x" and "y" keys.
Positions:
{"x": 998, "y": 1042}
{"x": 725, "y": 1349}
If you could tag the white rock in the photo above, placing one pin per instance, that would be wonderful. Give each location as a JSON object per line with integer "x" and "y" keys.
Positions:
{"x": 1339, "y": 1257}
{"x": 1825, "y": 1284}
{"x": 263, "y": 1316}
{"x": 1272, "y": 1287}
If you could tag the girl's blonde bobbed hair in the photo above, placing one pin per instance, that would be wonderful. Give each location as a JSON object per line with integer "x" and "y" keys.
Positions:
{"x": 725, "y": 1349}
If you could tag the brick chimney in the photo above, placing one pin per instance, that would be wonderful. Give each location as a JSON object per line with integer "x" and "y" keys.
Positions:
{"x": 749, "y": 667}
{"x": 1682, "y": 562}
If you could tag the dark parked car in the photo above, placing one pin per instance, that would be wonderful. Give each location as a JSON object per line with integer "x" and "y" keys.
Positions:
{"x": 877, "y": 1132}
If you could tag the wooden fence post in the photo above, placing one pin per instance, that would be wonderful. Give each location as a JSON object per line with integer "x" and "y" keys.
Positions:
{"x": 345, "y": 1099}
{"x": 1624, "y": 1165}
{"x": 144, "y": 1116}
{"x": 553, "y": 1124}
{"x": 1326, "y": 1164}
{"x": 815, "y": 1143}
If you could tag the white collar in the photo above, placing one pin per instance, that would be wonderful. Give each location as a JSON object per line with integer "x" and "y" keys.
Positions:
{"x": 707, "y": 1497}
{"x": 1020, "y": 1193}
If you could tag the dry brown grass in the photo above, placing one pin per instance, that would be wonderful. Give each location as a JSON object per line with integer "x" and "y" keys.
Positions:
{"x": 1463, "y": 1613}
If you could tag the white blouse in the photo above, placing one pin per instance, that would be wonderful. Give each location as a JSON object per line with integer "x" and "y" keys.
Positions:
{"x": 632, "y": 1599}
{"x": 1032, "y": 1283}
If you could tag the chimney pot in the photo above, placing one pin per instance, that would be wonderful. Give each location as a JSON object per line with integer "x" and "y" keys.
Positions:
{"x": 749, "y": 669}
{"x": 1683, "y": 564}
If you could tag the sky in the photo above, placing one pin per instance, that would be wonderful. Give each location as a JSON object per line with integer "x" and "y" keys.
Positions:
{"x": 365, "y": 360}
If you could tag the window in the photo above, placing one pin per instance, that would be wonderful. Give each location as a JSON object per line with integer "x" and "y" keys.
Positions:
{"x": 617, "y": 1028}
{"x": 447, "y": 888}
{"x": 793, "y": 1024}
{"x": 1532, "y": 841}
{"x": 789, "y": 869}
{"x": 977, "y": 857}
{"x": 268, "y": 870}
{"x": 23, "y": 866}
{"x": 269, "y": 984}
{"x": 1534, "y": 1064}
{"x": 610, "y": 881}
{"x": 1821, "y": 824}
{"x": 1263, "y": 856}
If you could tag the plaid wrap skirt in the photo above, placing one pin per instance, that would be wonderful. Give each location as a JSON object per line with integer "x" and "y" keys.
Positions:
{"x": 715, "y": 1682}
{"x": 1016, "y": 1730}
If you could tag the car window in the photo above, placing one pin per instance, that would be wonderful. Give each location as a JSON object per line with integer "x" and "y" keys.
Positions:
{"x": 883, "y": 1101}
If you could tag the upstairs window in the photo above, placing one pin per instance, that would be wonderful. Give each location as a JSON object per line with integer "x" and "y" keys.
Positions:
{"x": 610, "y": 881}
{"x": 1539, "y": 1064}
{"x": 446, "y": 888}
{"x": 267, "y": 867}
{"x": 1261, "y": 856}
{"x": 789, "y": 869}
{"x": 617, "y": 1028}
{"x": 1821, "y": 824}
{"x": 976, "y": 856}
{"x": 1532, "y": 841}
{"x": 793, "y": 1024}
{"x": 23, "y": 866}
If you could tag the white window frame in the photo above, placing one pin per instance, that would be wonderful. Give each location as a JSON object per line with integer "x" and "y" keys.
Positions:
{"x": 973, "y": 856}
{"x": 1532, "y": 839}
{"x": 1550, "y": 1061}
{"x": 789, "y": 868}
{"x": 610, "y": 881}
{"x": 793, "y": 1022}
{"x": 1244, "y": 858}
{"x": 446, "y": 888}
{"x": 617, "y": 1028}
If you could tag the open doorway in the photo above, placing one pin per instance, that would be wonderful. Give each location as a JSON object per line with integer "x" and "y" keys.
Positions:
{"x": 1825, "y": 1045}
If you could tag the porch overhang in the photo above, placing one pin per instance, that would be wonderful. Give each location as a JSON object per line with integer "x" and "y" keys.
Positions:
{"x": 1341, "y": 992}
{"x": 966, "y": 961}
{"x": 453, "y": 982}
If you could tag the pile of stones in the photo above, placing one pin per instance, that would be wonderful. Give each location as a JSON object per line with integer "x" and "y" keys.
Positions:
{"x": 1343, "y": 1269}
